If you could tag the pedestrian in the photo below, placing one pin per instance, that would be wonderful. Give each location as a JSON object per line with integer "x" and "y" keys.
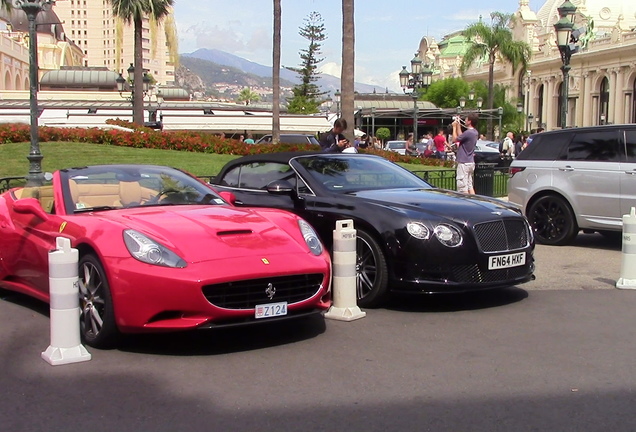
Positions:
{"x": 507, "y": 146}
{"x": 519, "y": 145}
{"x": 440, "y": 144}
{"x": 409, "y": 148}
{"x": 466, "y": 142}
{"x": 250, "y": 139}
{"x": 333, "y": 141}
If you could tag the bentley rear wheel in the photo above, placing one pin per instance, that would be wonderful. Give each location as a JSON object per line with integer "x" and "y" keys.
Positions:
{"x": 97, "y": 320}
{"x": 371, "y": 271}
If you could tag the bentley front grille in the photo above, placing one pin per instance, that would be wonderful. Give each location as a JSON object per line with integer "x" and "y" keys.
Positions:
{"x": 502, "y": 235}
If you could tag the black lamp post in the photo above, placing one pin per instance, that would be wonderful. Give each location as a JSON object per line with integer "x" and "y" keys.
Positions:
{"x": 563, "y": 29}
{"x": 337, "y": 95}
{"x": 500, "y": 112}
{"x": 32, "y": 8}
{"x": 519, "y": 111}
{"x": 419, "y": 77}
{"x": 480, "y": 103}
{"x": 122, "y": 87}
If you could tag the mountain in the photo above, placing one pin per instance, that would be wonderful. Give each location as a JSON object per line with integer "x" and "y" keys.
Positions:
{"x": 327, "y": 83}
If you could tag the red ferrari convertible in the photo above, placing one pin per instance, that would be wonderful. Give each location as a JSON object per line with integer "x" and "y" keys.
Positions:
{"x": 161, "y": 251}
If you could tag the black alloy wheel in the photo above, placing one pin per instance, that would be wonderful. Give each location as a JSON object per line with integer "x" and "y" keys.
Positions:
{"x": 97, "y": 320}
{"x": 552, "y": 220}
{"x": 371, "y": 270}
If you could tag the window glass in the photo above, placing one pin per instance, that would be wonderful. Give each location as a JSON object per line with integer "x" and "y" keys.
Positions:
{"x": 630, "y": 142}
{"x": 594, "y": 146}
{"x": 547, "y": 146}
{"x": 231, "y": 178}
{"x": 258, "y": 175}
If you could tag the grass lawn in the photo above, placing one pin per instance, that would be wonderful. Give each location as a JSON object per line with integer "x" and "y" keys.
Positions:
{"x": 59, "y": 155}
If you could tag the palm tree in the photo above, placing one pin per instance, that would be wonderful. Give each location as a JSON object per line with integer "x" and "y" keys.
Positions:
{"x": 276, "y": 73}
{"x": 134, "y": 11}
{"x": 348, "y": 59}
{"x": 247, "y": 95}
{"x": 492, "y": 42}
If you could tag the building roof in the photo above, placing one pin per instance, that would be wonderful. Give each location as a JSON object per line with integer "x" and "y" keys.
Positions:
{"x": 79, "y": 78}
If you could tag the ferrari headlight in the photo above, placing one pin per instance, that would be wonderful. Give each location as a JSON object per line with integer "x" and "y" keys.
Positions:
{"x": 310, "y": 236}
{"x": 418, "y": 230}
{"x": 149, "y": 251}
{"x": 448, "y": 235}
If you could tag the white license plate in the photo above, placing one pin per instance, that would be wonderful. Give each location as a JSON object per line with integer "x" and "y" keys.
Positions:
{"x": 271, "y": 310}
{"x": 506, "y": 261}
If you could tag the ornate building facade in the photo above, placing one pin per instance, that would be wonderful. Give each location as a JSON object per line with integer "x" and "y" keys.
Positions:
{"x": 602, "y": 85}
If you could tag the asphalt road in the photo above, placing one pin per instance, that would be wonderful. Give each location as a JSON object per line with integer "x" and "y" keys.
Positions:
{"x": 555, "y": 354}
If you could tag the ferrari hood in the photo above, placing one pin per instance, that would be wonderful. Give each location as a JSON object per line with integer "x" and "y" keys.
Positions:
{"x": 442, "y": 203}
{"x": 202, "y": 233}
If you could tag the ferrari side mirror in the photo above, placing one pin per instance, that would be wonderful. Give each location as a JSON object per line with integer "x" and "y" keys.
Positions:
{"x": 229, "y": 197}
{"x": 280, "y": 187}
{"x": 30, "y": 206}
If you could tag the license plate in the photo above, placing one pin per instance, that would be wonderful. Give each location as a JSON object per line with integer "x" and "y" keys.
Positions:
{"x": 271, "y": 310}
{"x": 506, "y": 261}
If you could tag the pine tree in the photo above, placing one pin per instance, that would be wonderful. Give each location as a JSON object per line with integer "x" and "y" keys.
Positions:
{"x": 307, "y": 93}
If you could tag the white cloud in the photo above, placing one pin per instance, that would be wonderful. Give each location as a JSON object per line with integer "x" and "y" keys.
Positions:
{"x": 331, "y": 68}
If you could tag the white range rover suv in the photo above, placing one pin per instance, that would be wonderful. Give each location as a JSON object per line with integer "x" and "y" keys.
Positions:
{"x": 576, "y": 179}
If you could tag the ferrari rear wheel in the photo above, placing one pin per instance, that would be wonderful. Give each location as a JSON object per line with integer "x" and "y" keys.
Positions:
{"x": 371, "y": 271}
{"x": 97, "y": 319}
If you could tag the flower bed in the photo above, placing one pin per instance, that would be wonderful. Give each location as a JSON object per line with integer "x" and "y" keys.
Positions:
{"x": 143, "y": 137}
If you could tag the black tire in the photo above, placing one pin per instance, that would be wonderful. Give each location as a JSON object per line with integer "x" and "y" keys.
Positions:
{"x": 97, "y": 318}
{"x": 372, "y": 272}
{"x": 552, "y": 220}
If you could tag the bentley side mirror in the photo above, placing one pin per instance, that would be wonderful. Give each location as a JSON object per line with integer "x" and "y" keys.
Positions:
{"x": 280, "y": 187}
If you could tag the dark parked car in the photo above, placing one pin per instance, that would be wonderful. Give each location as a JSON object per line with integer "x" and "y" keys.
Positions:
{"x": 412, "y": 237}
{"x": 290, "y": 139}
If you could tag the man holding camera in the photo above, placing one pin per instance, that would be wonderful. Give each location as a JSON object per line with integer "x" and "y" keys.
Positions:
{"x": 466, "y": 142}
{"x": 334, "y": 141}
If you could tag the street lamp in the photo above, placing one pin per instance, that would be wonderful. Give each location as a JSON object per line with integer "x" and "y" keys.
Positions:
{"x": 32, "y": 8}
{"x": 336, "y": 96}
{"x": 563, "y": 29}
{"x": 527, "y": 98}
{"x": 122, "y": 86}
{"x": 530, "y": 118}
{"x": 519, "y": 111}
{"x": 419, "y": 77}
{"x": 480, "y": 102}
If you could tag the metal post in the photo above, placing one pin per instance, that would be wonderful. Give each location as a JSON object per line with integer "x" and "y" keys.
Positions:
{"x": 414, "y": 95}
{"x": 564, "y": 88}
{"x": 372, "y": 121}
{"x": 500, "y": 112}
{"x": 35, "y": 177}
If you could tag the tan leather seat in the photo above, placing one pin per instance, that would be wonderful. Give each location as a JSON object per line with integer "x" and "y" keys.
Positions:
{"x": 130, "y": 193}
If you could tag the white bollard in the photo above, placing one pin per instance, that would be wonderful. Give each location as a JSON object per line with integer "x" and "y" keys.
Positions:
{"x": 66, "y": 346}
{"x": 627, "y": 278}
{"x": 345, "y": 307}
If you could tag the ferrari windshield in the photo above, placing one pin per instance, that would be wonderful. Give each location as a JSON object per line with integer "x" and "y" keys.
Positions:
{"x": 107, "y": 187}
{"x": 353, "y": 173}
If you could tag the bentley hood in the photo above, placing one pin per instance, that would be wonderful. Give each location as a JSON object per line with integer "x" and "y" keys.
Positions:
{"x": 441, "y": 203}
{"x": 202, "y": 233}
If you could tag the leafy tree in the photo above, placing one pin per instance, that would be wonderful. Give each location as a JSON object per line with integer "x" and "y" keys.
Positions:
{"x": 446, "y": 93}
{"x": 383, "y": 134}
{"x": 492, "y": 42}
{"x": 302, "y": 105}
{"x": 314, "y": 32}
{"x": 348, "y": 66}
{"x": 247, "y": 95}
{"x": 276, "y": 73}
{"x": 134, "y": 11}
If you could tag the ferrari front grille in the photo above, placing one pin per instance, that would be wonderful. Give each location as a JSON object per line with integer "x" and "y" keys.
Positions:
{"x": 246, "y": 294}
{"x": 502, "y": 235}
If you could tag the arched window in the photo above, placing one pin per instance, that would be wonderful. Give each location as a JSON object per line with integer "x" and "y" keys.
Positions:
{"x": 603, "y": 101}
{"x": 7, "y": 81}
{"x": 560, "y": 104}
{"x": 17, "y": 83}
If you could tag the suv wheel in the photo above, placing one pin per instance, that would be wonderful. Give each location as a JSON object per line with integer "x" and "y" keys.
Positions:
{"x": 552, "y": 220}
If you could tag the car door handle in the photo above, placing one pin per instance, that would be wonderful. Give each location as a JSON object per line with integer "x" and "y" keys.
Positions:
{"x": 566, "y": 168}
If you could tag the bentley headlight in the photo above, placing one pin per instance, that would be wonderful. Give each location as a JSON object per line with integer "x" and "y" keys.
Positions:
{"x": 418, "y": 230}
{"x": 310, "y": 236}
{"x": 448, "y": 235}
{"x": 149, "y": 251}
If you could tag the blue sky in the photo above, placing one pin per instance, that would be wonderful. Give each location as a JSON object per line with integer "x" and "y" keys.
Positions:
{"x": 387, "y": 32}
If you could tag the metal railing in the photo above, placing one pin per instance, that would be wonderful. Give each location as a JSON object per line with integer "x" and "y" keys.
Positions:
{"x": 7, "y": 183}
{"x": 489, "y": 179}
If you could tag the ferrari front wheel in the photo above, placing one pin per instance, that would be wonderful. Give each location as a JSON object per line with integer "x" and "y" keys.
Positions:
{"x": 97, "y": 319}
{"x": 371, "y": 271}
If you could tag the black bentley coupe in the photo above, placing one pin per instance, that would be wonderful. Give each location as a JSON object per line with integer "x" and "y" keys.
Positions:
{"x": 411, "y": 236}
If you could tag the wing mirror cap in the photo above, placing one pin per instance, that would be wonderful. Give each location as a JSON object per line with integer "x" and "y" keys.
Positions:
{"x": 280, "y": 187}
{"x": 30, "y": 206}
{"x": 229, "y": 197}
